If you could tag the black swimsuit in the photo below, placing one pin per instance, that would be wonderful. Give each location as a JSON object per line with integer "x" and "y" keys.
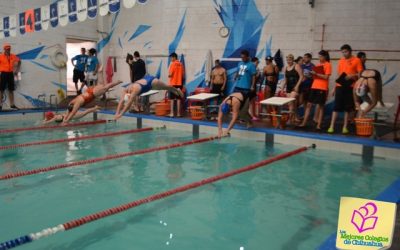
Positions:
{"x": 60, "y": 121}
{"x": 242, "y": 102}
{"x": 292, "y": 77}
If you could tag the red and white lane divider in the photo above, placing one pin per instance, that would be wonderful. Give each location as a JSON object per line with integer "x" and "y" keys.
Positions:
{"x": 104, "y": 158}
{"x": 80, "y": 138}
{"x": 77, "y": 124}
{"x": 115, "y": 210}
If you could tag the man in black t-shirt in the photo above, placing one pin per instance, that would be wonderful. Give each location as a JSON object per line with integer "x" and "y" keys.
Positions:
{"x": 138, "y": 71}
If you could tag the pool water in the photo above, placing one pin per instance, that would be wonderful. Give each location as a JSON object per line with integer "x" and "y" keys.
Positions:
{"x": 290, "y": 204}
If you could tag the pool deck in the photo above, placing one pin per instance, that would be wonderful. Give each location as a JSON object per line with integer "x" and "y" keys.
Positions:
{"x": 367, "y": 147}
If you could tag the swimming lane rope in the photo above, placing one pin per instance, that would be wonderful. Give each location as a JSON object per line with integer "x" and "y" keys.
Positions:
{"x": 77, "y": 124}
{"x": 104, "y": 158}
{"x": 115, "y": 210}
{"x": 79, "y": 138}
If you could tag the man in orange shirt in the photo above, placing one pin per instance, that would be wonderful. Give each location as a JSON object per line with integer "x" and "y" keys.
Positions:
{"x": 176, "y": 72}
{"x": 349, "y": 70}
{"x": 9, "y": 65}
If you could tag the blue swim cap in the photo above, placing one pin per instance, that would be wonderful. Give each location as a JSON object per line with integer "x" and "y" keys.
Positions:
{"x": 225, "y": 108}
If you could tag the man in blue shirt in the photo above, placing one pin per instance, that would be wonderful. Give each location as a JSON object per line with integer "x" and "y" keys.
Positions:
{"x": 79, "y": 62}
{"x": 246, "y": 75}
{"x": 92, "y": 68}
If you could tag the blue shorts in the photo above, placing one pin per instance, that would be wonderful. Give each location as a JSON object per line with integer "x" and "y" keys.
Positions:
{"x": 146, "y": 88}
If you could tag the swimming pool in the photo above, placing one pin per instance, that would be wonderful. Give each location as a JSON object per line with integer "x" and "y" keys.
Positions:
{"x": 290, "y": 204}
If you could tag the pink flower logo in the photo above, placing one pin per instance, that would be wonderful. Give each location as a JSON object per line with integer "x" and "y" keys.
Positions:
{"x": 363, "y": 218}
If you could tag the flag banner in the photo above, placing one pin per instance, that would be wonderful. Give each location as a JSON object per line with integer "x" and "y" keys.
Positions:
{"x": 54, "y": 14}
{"x": 72, "y": 11}
{"x": 38, "y": 19}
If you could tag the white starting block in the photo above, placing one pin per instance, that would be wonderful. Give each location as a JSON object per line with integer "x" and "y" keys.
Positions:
{"x": 379, "y": 112}
{"x": 278, "y": 102}
{"x": 145, "y": 100}
{"x": 203, "y": 98}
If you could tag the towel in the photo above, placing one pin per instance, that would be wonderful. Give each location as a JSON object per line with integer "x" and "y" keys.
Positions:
{"x": 109, "y": 69}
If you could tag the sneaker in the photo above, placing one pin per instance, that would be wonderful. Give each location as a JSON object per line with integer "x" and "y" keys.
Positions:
{"x": 331, "y": 130}
{"x": 14, "y": 107}
{"x": 345, "y": 131}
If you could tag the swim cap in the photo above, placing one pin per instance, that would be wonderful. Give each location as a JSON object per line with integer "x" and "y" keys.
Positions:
{"x": 126, "y": 97}
{"x": 49, "y": 115}
{"x": 225, "y": 108}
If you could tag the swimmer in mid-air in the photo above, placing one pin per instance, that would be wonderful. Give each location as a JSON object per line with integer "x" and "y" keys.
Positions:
{"x": 238, "y": 102}
{"x": 87, "y": 97}
{"x": 139, "y": 87}
{"x": 50, "y": 117}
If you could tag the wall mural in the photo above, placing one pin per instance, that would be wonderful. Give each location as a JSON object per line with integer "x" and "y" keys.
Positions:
{"x": 244, "y": 20}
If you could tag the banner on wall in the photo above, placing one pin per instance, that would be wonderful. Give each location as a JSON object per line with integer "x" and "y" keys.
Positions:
{"x": 21, "y": 23}
{"x": 54, "y": 15}
{"x": 13, "y": 25}
{"x": 92, "y": 9}
{"x": 63, "y": 12}
{"x": 129, "y": 3}
{"x": 114, "y": 6}
{"x": 45, "y": 13}
{"x": 29, "y": 21}
{"x": 1, "y": 29}
{"x": 38, "y": 19}
{"x": 103, "y": 7}
{"x": 72, "y": 11}
{"x": 82, "y": 8}
{"x": 6, "y": 26}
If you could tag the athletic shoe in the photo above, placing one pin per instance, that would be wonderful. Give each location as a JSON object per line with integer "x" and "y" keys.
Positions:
{"x": 14, "y": 107}
{"x": 331, "y": 130}
{"x": 345, "y": 131}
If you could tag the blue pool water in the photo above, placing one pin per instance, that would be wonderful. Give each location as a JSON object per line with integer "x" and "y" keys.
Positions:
{"x": 291, "y": 204}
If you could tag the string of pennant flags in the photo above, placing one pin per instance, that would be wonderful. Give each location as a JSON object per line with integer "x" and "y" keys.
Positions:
{"x": 59, "y": 13}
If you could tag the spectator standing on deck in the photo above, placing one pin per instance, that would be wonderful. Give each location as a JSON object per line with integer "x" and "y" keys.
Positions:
{"x": 349, "y": 70}
{"x": 175, "y": 74}
{"x": 218, "y": 80}
{"x": 319, "y": 89}
{"x": 9, "y": 66}
{"x": 305, "y": 86}
{"x": 271, "y": 75}
{"x": 138, "y": 71}
{"x": 92, "y": 68}
{"x": 245, "y": 76}
{"x": 79, "y": 63}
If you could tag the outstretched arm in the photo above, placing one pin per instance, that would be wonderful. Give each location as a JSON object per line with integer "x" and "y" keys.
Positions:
{"x": 49, "y": 121}
{"x": 126, "y": 106}
{"x": 79, "y": 115}
{"x": 72, "y": 113}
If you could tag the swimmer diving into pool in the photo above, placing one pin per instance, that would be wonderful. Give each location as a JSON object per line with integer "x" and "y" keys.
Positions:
{"x": 239, "y": 104}
{"x": 85, "y": 98}
{"x": 51, "y": 117}
{"x": 139, "y": 87}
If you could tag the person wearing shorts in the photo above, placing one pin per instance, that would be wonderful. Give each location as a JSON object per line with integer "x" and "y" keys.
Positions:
{"x": 218, "y": 80}
{"x": 176, "y": 75}
{"x": 305, "y": 86}
{"x": 79, "y": 63}
{"x": 9, "y": 65}
{"x": 349, "y": 68}
{"x": 319, "y": 89}
{"x": 92, "y": 68}
{"x": 246, "y": 75}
